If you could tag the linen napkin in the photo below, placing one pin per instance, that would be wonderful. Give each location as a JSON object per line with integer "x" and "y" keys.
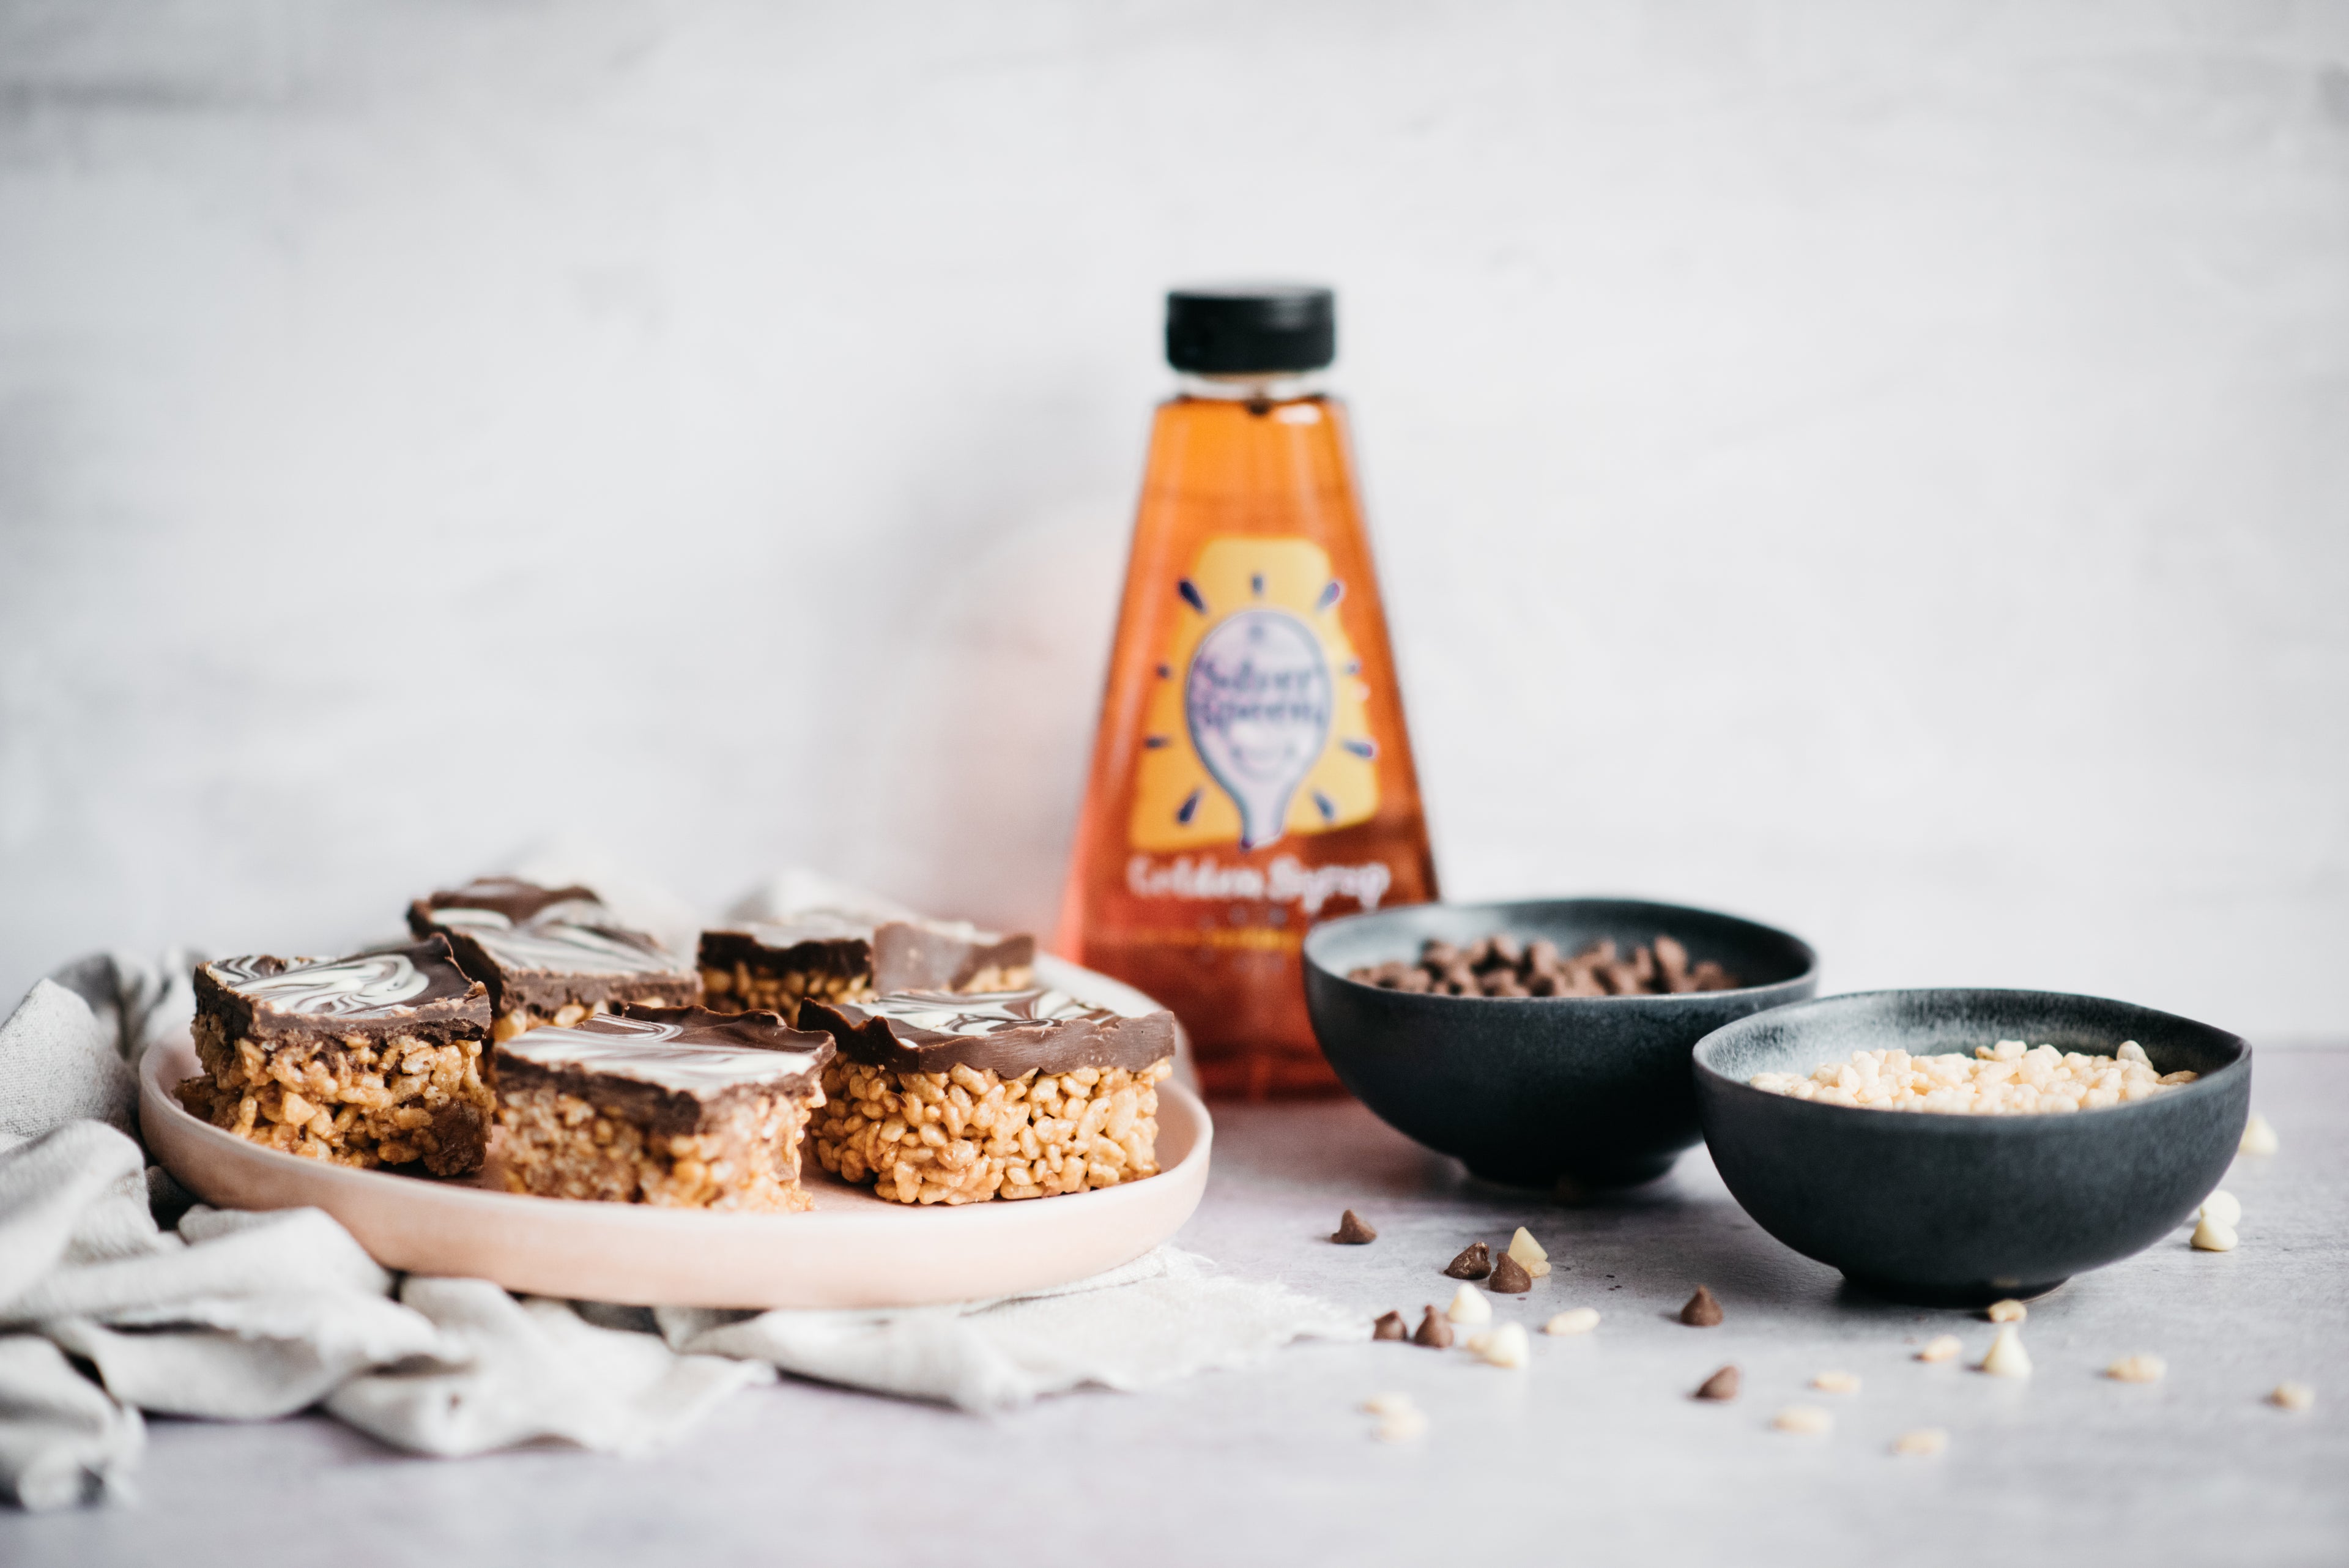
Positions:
{"x": 247, "y": 1317}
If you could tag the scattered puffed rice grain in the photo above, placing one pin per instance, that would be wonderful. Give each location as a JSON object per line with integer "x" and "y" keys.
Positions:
{"x": 1804, "y": 1420}
{"x": 2210, "y": 1236}
{"x": 2223, "y": 1207}
{"x": 2258, "y": 1138}
{"x": 1837, "y": 1382}
{"x": 1941, "y": 1348}
{"x": 2137, "y": 1369}
{"x": 1400, "y": 1417}
{"x": 2292, "y": 1397}
{"x": 2007, "y": 1358}
{"x": 1574, "y": 1320}
{"x": 1504, "y": 1347}
{"x": 1470, "y": 1308}
{"x": 1528, "y": 1252}
{"x": 1922, "y": 1443}
{"x": 2008, "y": 1311}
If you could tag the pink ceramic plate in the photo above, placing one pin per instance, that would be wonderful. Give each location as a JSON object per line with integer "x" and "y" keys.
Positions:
{"x": 854, "y": 1251}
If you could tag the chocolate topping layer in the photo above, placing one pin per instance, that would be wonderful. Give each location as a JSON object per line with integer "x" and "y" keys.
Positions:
{"x": 516, "y": 900}
{"x": 898, "y": 955}
{"x": 415, "y": 990}
{"x": 1010, "y": 1032}
{"x": 541, "y": 948}
{"x": 666, "y": 1069}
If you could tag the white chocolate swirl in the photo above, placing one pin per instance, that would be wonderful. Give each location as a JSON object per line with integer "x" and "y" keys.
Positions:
{"x": 330, "y": 988}
{"x": 564, "y": 949}
{"x": 645, "y": 1051}
{"x": 978, "y": 1012}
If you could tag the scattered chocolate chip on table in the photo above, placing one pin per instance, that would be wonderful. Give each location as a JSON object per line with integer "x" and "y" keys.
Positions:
{"x": 1475, "y": 1261}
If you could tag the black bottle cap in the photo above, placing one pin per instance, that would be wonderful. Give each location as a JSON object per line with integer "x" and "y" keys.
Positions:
{"x": 1247, "y": 328}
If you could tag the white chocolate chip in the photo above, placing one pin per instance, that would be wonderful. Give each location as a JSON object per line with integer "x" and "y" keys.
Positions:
{"x": 1837, "y": 1382}
{"x": 1941, "y": 1348}
{"x": 2292, "y": 1397}
{"x": 2210, "y": 1236}
{"x": 2007, "y": 1358}
{"x": 1923, "y": 1443}
{"x": 1388, "y": 1404}
{"x": 1504, "y": 1347}
{"x": 1528, "y": 1252}
{"x": 2008, "y": 1311}
{"x": 1804, "y": 1421}
{"x": 1574, "y": 1320}
{"x": 2137, "y": 1369}
{"x": 2222, "y": 1206}
{"x": 2258, "y": 1137}
{"x": 1469, "y": 1306}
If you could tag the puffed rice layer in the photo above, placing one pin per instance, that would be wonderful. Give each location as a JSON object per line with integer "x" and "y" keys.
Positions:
{"x": 966, "y": 1135}
{"x": 746, "y": 1157}
{"x": 350, "y": 1100}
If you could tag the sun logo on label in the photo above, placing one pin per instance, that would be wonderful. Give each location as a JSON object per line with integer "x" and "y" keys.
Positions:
{"x": 1257, "y": 724}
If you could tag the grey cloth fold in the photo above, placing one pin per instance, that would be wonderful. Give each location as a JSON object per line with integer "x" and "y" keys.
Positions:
{"x": 248, "y": 1316}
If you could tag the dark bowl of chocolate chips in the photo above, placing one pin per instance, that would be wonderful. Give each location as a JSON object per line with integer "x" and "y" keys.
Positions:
{"x": 1544, "y": 1041}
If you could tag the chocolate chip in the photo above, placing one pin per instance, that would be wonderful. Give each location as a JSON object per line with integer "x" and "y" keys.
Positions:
{"x": 1504, "y": 965}
{"x": 1390, "y": 1326}
{"x": 1702, "y": 1311}
{"x": 1722, "y": 1385}
{"x": 1475, "y": 1261}
{"x": 1352, "y": 1232}
{"x": 1433, "y": 1331}
{"x": 1509, "y": 1277}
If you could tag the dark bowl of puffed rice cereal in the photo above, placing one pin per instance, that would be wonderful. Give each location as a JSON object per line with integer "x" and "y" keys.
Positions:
{"x": 1544, "y": 1040}
{"x": 1958, "y": 1147}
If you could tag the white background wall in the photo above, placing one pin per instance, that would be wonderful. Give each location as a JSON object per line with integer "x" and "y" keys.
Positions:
{"x": 1883, "y": 468}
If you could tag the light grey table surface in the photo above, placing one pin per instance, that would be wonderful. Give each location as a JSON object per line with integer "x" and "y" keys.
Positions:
{"x": 1596, "y": 1453}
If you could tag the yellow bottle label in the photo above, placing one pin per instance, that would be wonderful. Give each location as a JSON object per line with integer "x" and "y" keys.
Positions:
{"x": 1256, "y": 727}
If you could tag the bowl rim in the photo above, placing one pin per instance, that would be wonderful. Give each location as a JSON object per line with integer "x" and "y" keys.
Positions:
{"x": 1953, "y": 1125}
{"x": 1809, "y": 973}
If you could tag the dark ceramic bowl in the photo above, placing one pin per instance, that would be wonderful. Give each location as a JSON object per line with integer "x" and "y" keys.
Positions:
{"x": 1957, "y": 1210}
{"x": 1530, "y": 1089}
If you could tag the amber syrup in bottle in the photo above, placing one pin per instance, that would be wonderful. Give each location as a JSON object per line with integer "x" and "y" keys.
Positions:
{"x": 1252, "y": 773}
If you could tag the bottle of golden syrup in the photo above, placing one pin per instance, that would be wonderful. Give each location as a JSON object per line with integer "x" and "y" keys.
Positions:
{"x": 1251, "y": 774}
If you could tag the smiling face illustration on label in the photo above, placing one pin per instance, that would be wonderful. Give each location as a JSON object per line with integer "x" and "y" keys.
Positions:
{"x": 1258, "y": 700}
